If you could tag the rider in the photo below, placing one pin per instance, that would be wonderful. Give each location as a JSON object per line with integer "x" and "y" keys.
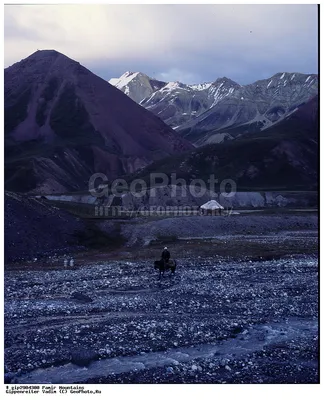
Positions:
{"x": 165, "y": 255}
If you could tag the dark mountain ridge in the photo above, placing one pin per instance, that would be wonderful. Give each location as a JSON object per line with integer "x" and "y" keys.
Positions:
{"x": 63, "y": 123}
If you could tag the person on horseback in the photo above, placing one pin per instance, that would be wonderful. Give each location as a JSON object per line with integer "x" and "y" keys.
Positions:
{"x": 165, "y": 255}
{"x": 165, "y": 263}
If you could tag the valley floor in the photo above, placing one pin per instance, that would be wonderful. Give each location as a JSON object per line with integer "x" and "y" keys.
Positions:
{"x": 240, "y": 309}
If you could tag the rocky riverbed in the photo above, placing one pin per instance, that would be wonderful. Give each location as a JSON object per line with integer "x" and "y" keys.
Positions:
{"x": 220, "y": 319}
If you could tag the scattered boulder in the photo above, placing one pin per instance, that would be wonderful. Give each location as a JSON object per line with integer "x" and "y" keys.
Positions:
{"x": 82, "y": 297}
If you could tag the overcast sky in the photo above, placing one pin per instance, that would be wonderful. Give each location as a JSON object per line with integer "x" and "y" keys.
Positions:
{"x": 189, "y": 43}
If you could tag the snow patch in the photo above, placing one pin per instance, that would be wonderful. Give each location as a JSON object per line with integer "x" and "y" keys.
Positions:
{"x": 172, "y": 86}
{"x": 114, "y": 81}
{"x": 123, "y": 80}
{"x": 201, "y": 86}
{"x": 269, "y": 83}
{"x": 308, "y": 78}
{"x": 282, "y": 76}
{"x": 146, "y": 100}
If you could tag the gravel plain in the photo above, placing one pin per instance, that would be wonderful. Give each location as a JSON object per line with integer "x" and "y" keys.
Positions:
{"x": 222, "y": 318}
{"x": 143, "y": 230}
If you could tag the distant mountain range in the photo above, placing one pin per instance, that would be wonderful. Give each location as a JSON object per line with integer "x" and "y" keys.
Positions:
{"x": 63, "y": 123}
{"x": 220, "y": 110}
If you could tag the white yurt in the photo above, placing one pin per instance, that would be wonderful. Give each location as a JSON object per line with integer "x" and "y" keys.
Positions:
{"x": 212, "y": 207}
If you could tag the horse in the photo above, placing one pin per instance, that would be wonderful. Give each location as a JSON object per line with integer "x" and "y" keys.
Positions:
{"x": 163, "y": 266}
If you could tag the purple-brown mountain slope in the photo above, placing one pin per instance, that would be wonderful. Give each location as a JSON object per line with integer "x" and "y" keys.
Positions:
{"x": 63, "y": 123}
{"x": 283, "y": 157}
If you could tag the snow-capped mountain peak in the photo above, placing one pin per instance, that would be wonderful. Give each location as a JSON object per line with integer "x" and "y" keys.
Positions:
{"x": 136, "y": 85}
{"x": 123, "y": 80}
{"x": 201, "y": 86}
{"x": 174, "y": 86}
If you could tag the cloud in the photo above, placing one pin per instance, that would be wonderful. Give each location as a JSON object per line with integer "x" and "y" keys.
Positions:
{"x": 177, "y": 42}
